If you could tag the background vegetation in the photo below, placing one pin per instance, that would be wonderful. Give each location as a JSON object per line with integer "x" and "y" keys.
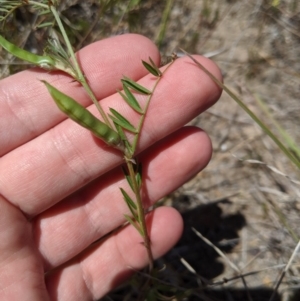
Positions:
{"x": 247, "y": 201}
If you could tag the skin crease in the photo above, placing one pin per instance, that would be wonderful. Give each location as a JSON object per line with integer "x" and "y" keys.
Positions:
{"x": 59, "y": 186}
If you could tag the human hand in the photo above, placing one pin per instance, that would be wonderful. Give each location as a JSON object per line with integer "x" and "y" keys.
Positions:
{"x": 59, "y": 185}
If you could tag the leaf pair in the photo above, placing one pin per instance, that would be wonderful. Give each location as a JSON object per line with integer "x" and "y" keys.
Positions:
{"x": 129, "y": 97}
{"x": 134, "y": 219}
{"x": 119, "y": 120}
{"x": 152, "y": 68}
{"x": 138, "y": 177}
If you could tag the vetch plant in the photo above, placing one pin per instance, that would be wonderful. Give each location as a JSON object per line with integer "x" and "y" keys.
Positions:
{"x": 113, "y": 129}
{"x": 66, "y": 190}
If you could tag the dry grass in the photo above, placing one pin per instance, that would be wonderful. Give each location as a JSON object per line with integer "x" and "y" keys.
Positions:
{"x": 246, "y": 202}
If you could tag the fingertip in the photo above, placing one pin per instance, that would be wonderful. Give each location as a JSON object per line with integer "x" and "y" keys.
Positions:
{"x": 117, "y": 52}
{"x": 166, "y": 230}
{"x": 201, "y": 145}
{"x": 213, "y": 89}
{"x": 165, "y": 226}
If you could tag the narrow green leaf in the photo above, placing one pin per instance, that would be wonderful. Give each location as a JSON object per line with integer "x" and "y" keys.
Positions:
{"x": 127, "y": 177}
{"x": 138, "y": 176}
{"x": 122, "y": 121}
{"x": 44, "y": 12}
{"x": 134, "y": 224}
{"x": 46, "y": 24}
{"x": 152, "y": 69}
{"x": 127, "y": 198}
{"x": 135, "y": 86}
{"x": 131, "y": 100}
{"x": 153, "y": 64}
{"x": 130, "y": 203}
{"x": 121, "y": 133}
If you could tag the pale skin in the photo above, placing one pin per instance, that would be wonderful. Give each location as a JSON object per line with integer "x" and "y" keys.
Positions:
{"x": 59, "y": 185}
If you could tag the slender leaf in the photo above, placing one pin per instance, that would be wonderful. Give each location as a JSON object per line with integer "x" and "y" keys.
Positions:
{"x": 289, "y": 141}
{"x": 134, "y": 224}
{"x": 128, "y": 146}
{"x": 122, "y": 121}
{"x": 135, "y": 86}
{"x": 45, "y": 25}
{"x": 45, "y": 12}
{"x": 152, "y": 63}
{"x": 8, "y": 7}
{"x": 127, "y": 177}
{"x": 131, "y": 100}
{"x": 138, "y": 176}
{"x": 129, "y": 201}
{"x": 152, "y": 68}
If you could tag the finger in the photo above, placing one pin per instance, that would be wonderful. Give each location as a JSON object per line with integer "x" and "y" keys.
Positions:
{"x": 64, "y": 159}
{"x": 69, "y": 227}
{"x": 27, "y": 109}
{"x": 105, "y": 266}
{"x": 21, "y": 269}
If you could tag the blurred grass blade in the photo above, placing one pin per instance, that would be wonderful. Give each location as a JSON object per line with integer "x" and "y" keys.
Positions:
{"x": 45, "y": 12}
{"x": 135, "y": 86}
{"x": 7, "y": 7}
{"x": 288, "y": 139}
{"x": 122, "y": 121}
{"x": 292, "y": 158}
{"x": 46, "y": 24}
{"x": 164, "y": 23}
{"x": 130, "y": 99}
{"x": 133, "y": 4}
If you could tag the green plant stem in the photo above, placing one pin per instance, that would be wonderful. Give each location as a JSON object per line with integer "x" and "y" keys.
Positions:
{"x": 68, "y": 44}
{"x": 141, "y": 122}
{"x": 38, "y": 4}
{"x": 79, "y": 74}
{"x": 129, "y": 161}
{"x": 141, "y": 214}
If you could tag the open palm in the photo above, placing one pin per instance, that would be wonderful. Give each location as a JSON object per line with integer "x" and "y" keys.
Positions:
{"x": 59, "y": 185}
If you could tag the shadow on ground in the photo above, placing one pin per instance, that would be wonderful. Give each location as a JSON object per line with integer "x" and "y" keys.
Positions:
{"x": 223, "y": 231}
{"x": 204, "y": 281}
